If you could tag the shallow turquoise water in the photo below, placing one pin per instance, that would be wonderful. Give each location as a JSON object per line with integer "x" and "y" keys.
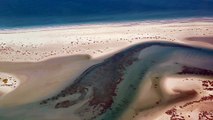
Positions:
{"x": 144, "y": 56}
{"x": 137, "y": 61}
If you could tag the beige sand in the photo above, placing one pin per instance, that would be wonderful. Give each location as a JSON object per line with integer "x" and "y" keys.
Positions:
{"x": 176, "y": 92}
{"x": 26, "y": 53}
{"x": 40, "y": 79}
{"x": 152, "y": 102}
{"x": 97, "y": 40}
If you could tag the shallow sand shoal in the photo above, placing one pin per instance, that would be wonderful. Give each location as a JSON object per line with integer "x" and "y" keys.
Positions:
{"x": 174, "y": 93}
{"x": 26, "y": 53}
{"x": 40, "y": 79}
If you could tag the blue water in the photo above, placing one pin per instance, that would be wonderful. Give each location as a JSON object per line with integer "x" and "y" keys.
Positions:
{"x": 22, "y": 13}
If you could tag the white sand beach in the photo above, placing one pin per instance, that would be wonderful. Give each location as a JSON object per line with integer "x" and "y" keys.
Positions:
{"x": 37, "y": 44}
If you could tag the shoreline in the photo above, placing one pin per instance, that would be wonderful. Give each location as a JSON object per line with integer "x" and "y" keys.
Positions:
{"x": 100, "y": 40}
{"x": 36, "y": 56}
{"x": 99, "y": 24}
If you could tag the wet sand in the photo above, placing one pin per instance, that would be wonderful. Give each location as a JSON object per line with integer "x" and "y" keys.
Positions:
{"x": 41, "y": 79}
{"x": 43, "y": 57}
{"x": 201, "y": 39}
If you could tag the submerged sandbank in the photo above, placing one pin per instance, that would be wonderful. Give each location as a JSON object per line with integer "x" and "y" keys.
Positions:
{"x": 44, "y": 58}
{"x": 41, "y": 79}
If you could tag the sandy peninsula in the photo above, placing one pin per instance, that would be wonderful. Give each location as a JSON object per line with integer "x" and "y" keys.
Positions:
{"x": 51, "y": 57}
